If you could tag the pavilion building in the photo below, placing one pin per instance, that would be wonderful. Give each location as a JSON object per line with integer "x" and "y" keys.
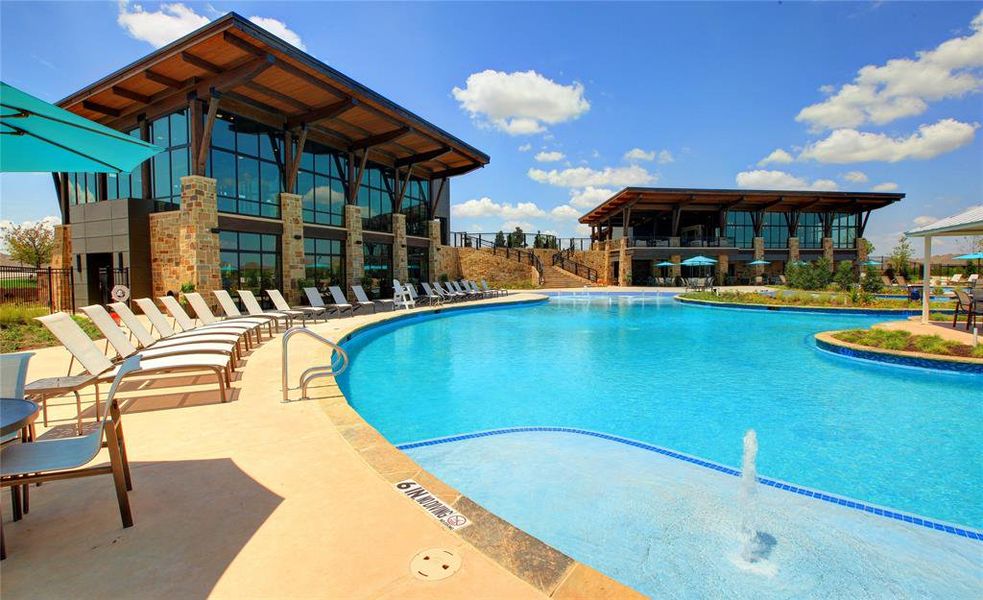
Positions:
{"x": 641, "y": 227}
{"x": 278, "y": 172}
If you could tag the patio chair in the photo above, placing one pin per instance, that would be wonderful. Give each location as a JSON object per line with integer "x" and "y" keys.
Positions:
{"x": 208, "y": 319}
{"x": 92, "y": 359}
{"x": 314, "y": 299}
{"x": 433, "y": 298}
{"x": 401, "y": 296}
{"x": 188, "y": 328}
{"x": 341, "y": 304}
{"x": 363, "y": 299}
{"x": 495, "y": 291}
{"x": 118, "y": 339}
{"x": 473, "y": 287}
{"x": 901, "y": 281}
{"x": 457, "y": 288}
{"x": 147, "y": 339}
{"x": 972, "y": 279}
{"x": 253, "y": 309}
{"x": 955, "y": 279}
{"x": 968, "y": 305}
{"x": 280, "y": 303}
{"x": 886, "y": 281}
{"x": 66, "y": 458}
{"x": 233, "y": 313}
{"x": 13, "y": 376}
{"x": 447, "y": 293}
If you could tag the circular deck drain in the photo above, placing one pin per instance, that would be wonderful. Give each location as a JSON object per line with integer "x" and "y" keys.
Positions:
{"x": 434, "y": 564}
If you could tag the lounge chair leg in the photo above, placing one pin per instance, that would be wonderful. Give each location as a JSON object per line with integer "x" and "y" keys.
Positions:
{"x": 78, "y": 408}
{"x": 122, "y": 453}
{"x": 119, "y": 479}
{"x": 98, "y": 417}
{"x": 221, "y": 385}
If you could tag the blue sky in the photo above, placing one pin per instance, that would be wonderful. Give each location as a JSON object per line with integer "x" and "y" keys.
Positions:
{"x": 574, "y": 101}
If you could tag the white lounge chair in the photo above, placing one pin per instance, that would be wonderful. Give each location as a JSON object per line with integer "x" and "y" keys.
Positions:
{"x": 232, "y": 311}
{"x": 253, "y": 308}
{"x": 206, "y": 317}
{"x": 447, "y": 292}
{"x": 64, "y": 458}
{"x": 457, "y": 288}
{"x": 164, "y": 329}
{"x": 494, "y": 291}
{"x": 432, "y": 297}
{"x": 363, "y": 299}
{"x": 97, "y": 364}
{"x": 147, "y": 339}
{"x": 314, "y": 299}
{"x": 341, "y": 303}
{"x": 307, "y": 312}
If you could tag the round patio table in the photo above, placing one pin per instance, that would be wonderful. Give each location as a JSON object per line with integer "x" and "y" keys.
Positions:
{"x": 16, "y": 414}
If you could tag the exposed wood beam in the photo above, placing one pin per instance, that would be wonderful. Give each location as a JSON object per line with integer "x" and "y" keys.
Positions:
{"x": 435, "y": 197}
{"x": 206, "y": 134}
{"x": 232, "y": 78}
{"x": 401, "y": 188}
{"x": 862, "y": 223}
{"x": 201, "y": 63}
{"x": 130, "y": 95}
{"x": 262, "y": 89}
{"x": 382, "y": 138}
{"x": 270, "y": 111}
{"x": 422, "y": 157}
{"x": 101, "y": 108}
{"x": 196, "y": 126}
{"x": 163, "y": 79}
{"x": 241, "y": 44}
{"x": 294, "y": 164}
{"x": 772, "y": 203}
{"x": 323, "y": 113}
{"x": 454, "y": 171}
{"x": 357, "y": 182}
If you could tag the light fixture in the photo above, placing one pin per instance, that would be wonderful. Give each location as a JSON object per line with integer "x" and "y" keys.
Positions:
{"x": 214, "y": 230}
{"x": 298, "y": 237}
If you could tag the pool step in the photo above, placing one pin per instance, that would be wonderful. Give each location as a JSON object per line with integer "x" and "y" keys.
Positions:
{"x": 555, "y": 277}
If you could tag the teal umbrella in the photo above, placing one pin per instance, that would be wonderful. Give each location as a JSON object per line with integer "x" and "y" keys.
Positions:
{"x": 665, "y": 263}
{"x": 871, "y": 263}
{"x": 971, "y": 256}
{"x": 36, "y": 137}
{"x": 760, "y": 262}
{"x": 699, "y": 261}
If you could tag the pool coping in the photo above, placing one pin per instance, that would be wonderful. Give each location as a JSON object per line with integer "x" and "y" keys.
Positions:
{"x": 960, "y": 364}
{"x": 845, "y": 501}
{"x": 846, "y": 310}
{"x": 545, "y": 568}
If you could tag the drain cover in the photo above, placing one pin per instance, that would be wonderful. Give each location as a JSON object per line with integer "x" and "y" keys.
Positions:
{"x": 435, "y": 564}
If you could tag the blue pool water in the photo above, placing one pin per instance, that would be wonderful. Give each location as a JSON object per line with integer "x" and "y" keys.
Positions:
{"x": 689, "y": 378}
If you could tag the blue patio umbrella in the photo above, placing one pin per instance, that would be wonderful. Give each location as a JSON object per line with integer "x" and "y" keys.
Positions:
{"x": 36, "y": 136}
{"x": 871, "y": 263}
{"x": 665, "y": 263}
{"x": 971, "y": 256}
{"x": 699, "y": 261}
{"x": 760, "y": 262}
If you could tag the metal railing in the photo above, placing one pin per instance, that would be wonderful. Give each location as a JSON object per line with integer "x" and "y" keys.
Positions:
{"x": 520, "y": 255}
{"x": 51, "y": 288}
{"x": 660, "y": 241}
{"x": 536, "y": 241}
{"x": 564, "y": 260}
{"x": 330, "y": 370}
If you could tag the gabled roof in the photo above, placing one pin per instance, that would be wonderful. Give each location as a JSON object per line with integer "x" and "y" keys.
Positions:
{"x": 965, "y": 223}
{"x": 255, "y": 71}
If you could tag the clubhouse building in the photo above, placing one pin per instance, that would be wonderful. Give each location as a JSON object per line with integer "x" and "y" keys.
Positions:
{"x": 278, "y": 172}
{"x": 638, "y": 228}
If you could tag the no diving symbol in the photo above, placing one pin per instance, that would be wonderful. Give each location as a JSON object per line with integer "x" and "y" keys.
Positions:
{"x": 455, "y": 520}
{"x": 120, "y": 293}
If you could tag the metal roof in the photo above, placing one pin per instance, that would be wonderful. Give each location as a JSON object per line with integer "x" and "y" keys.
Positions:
{"x": 965, "y": 223}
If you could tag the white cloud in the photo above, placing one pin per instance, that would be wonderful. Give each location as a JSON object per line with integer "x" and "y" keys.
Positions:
{"x": 589, "y": 197}
{"x": 637, "y": 154}
{"x": 520, "y": 103}
{"x": 549, "y": 156}
{"x": 761, "y": 179}
{"x": 565, "y": 212}
{"x": 486, "y": 207}
{"x": 160, "y": 27}
{"x": 903, "y": 87}
{"x": 582, "y": 177}
{"x": 924, "y": 220}
{"x": 777, "y": 156}
{"x": 174, "y": 20}
{"x": 887, "y": 186}
{"x": 855, "y": 177}
{"x": 525, "y": 147}
{"x": 850, "y": 146}
{"x": 280, "y": 29}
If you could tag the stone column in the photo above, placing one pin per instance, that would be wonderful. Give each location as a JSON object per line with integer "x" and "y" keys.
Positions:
{"x": 198, "y": 246}
{"x": 61, "y": 258}
{"x": 676, "y": 269}
{"x": 723, "y": 263}
{"x": 292, "y": 247}
{"x": 793, "y": 249}
{"x": 861, "y": 250}
{"x": 624, "y": 270}
{"x": 400, "y": 269}
{"x": 675, "y": 242}
{"x": 828, "y": 251}
{"x": 433, "y": 231}
{"x": 354, "y": 253}
{"x": 759, "y": 254}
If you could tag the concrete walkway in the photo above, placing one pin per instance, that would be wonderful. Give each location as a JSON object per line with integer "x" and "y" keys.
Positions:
{"x": 253, "y": 498}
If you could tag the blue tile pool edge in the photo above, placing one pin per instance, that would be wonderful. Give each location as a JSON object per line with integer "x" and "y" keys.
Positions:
{"x": 912, "y": 519}
{"x": 870, "y": 312}
{"x": 930, "y": 364}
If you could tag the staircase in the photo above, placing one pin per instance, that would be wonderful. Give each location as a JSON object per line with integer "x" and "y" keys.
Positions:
{"x": 555, "y": 277}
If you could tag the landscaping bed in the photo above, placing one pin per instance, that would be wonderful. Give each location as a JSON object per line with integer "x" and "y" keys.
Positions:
{"x": 19, "y": 331}
{"x": 903, "y": 341}
{"x": 805, "y": 299}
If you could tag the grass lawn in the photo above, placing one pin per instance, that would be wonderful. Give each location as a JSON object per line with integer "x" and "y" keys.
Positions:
{"x": 19, "y": 331}
{"x": 906, "y": 342}
{"x": 803, "y": 298}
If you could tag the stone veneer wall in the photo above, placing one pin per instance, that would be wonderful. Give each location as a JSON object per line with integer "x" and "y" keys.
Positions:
{"x": 400, "y": 270}
{"x": 165, "y": 253}
{"x": 828, "y": 251}
{"x": 793, "y": 249}
{"x": 595, "y": 259}
{"x": 434, "y": 252}
{"x": 861, "y": 250}
{"x": 446, "y": 262}
{"x": 199, "y": 247}
{"x": 497, "y": 270}
{"x": 759, "y": 254}
{"x": 624, "y": 263}
{"x": 354, "y": 253}
{"x": 61, "y": 258}
{"x": 723, "y": 263}
{"x": 292, "y": 249}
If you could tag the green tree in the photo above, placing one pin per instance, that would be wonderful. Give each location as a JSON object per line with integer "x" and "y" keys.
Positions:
{"x": 868, "y": 246}
{"x": 30, "y": 243}
{"x": 500, "y": 239}
{"x": 900, "y": 258}
{"x": 844, "y": 276}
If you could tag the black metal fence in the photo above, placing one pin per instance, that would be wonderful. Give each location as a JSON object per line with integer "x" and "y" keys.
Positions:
{"x": 547, "y": 241}
{"x": 108, "y": 278}
{"x": 47, "y": 287}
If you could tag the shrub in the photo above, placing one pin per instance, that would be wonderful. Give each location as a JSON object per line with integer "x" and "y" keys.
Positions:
{"x": 932, "y": 344}
{"x": 844, "y": 276}
{"x": 871, "y": 281}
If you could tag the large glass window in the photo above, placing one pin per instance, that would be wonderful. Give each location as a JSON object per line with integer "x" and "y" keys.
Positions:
{"x": 415, "y": 206}
{"x": 810, "y": 230}
{"x": 244, "y": 164}
{"x": 374, "y": 199}
{"x": 82, "y": 188}
{"x": 168, "y": 167}
{"x": 319, "y": 184}
{"x": 740, "y": 228}
{"x": 249, "y": 261}
{"x": 775, "y": 230}
{"x": 418, "y": 264}
{"x": 378, "y": 269}
{"x": 324, "y": 262}
{"x": 844, "y": 232}
{"x": 127, "y": 185}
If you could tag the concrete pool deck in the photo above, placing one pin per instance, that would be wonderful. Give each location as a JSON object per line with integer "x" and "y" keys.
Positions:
{"x": 260, "y": 498}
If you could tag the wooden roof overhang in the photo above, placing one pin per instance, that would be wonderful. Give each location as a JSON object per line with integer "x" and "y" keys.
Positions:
{"x": 261, "y": 77}
{"x": 669, "y": 199}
